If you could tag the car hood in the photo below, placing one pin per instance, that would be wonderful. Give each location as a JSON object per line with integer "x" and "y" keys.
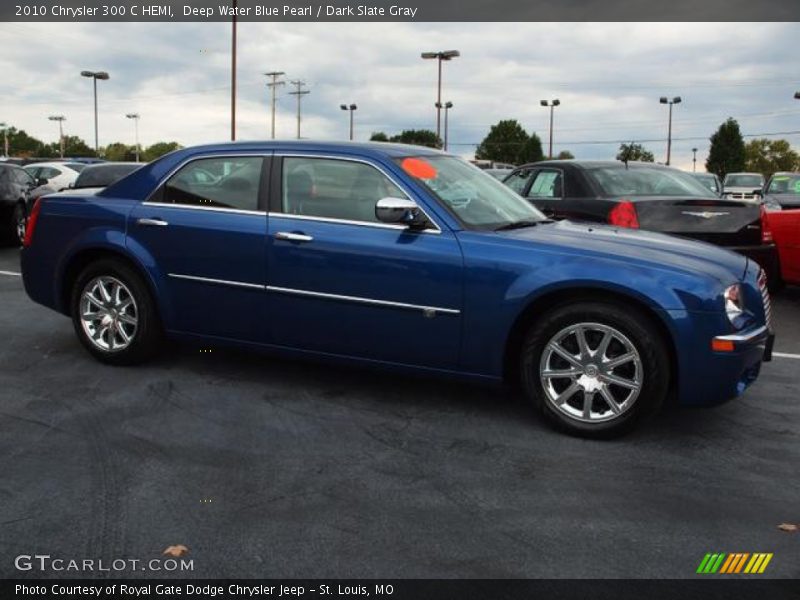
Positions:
{"x": 636, "y": 246}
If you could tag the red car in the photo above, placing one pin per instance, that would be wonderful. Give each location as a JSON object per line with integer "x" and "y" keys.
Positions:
{"x": 785, "y": 228}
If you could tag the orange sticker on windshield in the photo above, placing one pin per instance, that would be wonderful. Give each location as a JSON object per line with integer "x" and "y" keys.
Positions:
{"x": 421, "y": 169}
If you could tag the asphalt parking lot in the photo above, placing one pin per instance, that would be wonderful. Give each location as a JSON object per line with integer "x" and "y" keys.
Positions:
{"x": 264, "y": 467}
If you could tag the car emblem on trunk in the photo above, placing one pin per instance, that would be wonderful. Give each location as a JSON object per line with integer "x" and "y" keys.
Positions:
{"x": 705, "y": 214}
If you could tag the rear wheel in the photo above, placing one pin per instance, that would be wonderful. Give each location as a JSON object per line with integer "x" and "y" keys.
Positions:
{"x": 114, "y": 313}
{"x": 594, "y": 369}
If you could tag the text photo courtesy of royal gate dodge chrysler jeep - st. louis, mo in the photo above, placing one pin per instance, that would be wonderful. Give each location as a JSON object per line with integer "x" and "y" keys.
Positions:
{"x": 343, "y": 296}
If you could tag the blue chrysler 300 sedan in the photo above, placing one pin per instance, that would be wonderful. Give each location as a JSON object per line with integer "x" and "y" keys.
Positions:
{"x": 404, "y": 257}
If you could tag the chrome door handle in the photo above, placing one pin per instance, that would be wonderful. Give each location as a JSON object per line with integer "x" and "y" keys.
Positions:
{"x": 293, "y": 237}
{"x": 155, "y": 222}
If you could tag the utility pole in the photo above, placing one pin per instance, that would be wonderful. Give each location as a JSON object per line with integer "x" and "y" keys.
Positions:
{"x": 233, "y": 72}
{"x": 60, "y": 119}
{"x": 299, "y": 92}
{"x": 5, "y": 139}
{"x": 272, "y": 85}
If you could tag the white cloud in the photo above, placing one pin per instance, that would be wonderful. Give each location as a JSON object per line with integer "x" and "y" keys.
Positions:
{"x": 608, "y": 77}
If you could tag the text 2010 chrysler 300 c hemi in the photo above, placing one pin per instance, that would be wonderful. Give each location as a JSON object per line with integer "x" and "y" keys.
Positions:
{"x": 403, "y": 257}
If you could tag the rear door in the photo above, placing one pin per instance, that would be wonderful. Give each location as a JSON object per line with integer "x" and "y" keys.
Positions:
{"x": 205, "y": 228}
{"x": 785, "y": 227}
{"x": 344, "y": 283}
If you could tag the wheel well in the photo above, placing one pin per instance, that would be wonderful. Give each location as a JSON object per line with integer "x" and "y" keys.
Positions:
{"x": 570, "y": 296}
{"x": 78, "y": 262}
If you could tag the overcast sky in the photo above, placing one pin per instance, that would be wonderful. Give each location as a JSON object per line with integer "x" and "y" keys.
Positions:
{"x": 608, "y": 77}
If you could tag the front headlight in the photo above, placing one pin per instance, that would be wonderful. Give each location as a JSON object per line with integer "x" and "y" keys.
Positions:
{"x": 734, "y": 302}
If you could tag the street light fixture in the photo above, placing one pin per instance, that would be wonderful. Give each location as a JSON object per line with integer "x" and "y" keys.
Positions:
{"x": 135, "y": 117}
{"x": 440, "y": 56}
{"x": 351, "y": 109}
{"x": 552, "y": 104}
{"x": 665, "y": 100}
{"x": 447, "y": 106}
{"x": 60, "y": 119}
{"x": 694, "y": 160}
{"x": 95, "y": 75}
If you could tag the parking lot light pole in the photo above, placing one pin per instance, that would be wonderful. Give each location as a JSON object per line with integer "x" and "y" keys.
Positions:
{"x": 351, "y": 109}
{"x": 665, "y": 100}
{"x": 135, "y": 117}
{"x": 440, "y": 56}
{"x": 60, "y": 119}
{"x": 95, "y": 75}
{"x": 552, "y": 104}
{"x": 694, "y": 160}
{"x": 447, "y": 106}
{"x": 5, "y": 139}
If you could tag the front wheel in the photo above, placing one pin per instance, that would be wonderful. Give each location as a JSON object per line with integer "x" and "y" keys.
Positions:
{"x": 114, "y": 313}
{"x": 594, "y": 369}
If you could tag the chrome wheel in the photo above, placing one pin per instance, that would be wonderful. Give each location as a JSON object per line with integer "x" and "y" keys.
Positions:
{"x": 108, "y": 314}
{"x": 591, "y": 372}
{"x": 21, "y": 222}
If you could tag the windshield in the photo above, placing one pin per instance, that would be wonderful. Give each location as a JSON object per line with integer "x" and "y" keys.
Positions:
{"x": 785, "y": 184}
{"x": 103, "y": 175}
{"x": 746, "y": 181}
{"x": 648, "y": 181}
{"x": 707, "y": 180}
{"x": 477, "y": 200}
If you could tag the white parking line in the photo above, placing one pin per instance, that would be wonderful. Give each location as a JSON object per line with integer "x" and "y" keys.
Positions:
{"x": 785, "y": 355}
{"x": 12, "y": 273}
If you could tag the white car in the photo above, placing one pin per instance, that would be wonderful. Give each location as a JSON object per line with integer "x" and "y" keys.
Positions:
{"x": 59, "y": 175}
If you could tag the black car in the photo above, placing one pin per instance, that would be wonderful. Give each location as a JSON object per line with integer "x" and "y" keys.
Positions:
{"x": 646, "y": 196}
{"x": 104, "y": 174}
{"x": 782, "y": 191}
{"x": 710, "y": 180}
{"x": 18, "y": 191}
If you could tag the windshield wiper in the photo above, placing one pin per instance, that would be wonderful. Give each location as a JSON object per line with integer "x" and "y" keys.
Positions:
{"x": 520, "y": 224}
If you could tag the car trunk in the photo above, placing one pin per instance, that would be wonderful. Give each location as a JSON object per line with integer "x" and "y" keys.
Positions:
{"x": 721, "y": 222}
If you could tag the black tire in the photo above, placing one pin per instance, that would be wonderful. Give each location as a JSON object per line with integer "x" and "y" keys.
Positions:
{"x": 651, "y": 368}
{"x": 145, "y": 336}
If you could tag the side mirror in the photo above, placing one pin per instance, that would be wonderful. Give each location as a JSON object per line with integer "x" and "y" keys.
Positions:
{"x": 398, "y": 211}
{"x": 41, "y": 181}
{"x": 758, "y": 192}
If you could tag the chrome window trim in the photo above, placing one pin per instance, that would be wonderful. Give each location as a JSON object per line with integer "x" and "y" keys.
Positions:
{"x": 348, "y": 222}
{"x": 240, "y": 211}
{"x": 262, "y": 155}
{"x": 242, "y": 284}
{"x": 362, "y": 300}
{"x": 379, "y": 168}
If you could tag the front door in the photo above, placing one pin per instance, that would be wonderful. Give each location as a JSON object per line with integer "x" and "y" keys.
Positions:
{"x": 340, "y": 282}
{"x": 205, "y": 227}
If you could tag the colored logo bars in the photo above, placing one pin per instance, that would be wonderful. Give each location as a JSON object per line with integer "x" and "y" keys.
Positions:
{"x": 741, "y": 562}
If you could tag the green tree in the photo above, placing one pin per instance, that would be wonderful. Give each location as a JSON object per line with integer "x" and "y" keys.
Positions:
{"x": 531, "y": 151}
{"x": 23, "y": 145}
{"x": 631, "y": 152}
{"x": 505, "y": 142}
{"x": 379, "y": 136}
{"x": 727, "y": 152}
{"x": 418, "y": 137}
{"x": 768, "y": 156}
{"x": 76, "y": 147}
{"x": 565, "y": 155}
{"x": 119, "y": 152}
{"x": 159, "y": 149}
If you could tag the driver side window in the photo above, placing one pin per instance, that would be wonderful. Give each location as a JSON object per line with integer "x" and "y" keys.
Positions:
{"x": 229, "y": 182}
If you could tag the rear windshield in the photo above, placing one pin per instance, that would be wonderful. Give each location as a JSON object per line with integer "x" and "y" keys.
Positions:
{"x": 103, "y": 175}
{"x": 76, "y": 166}
{"x": 748, "y": 181}
{"x": 784, "y": 184}
{"x": 648, "y": 181}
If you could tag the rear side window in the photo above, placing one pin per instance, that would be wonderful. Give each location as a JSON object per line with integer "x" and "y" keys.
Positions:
{"x": 21, "y": 177}
{"x": 334, "y": 189}
{"x": 230, "y": 182}
{"x": 548, "y": 184}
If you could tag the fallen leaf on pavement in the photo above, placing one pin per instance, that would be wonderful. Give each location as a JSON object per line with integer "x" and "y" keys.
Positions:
{"x": 177, "y": 550}
{"x": 788, "y": 527}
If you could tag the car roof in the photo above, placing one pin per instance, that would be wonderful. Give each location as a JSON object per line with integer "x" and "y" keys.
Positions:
{"x": 592, "y": 164}
{"x": 376, "y": 148}
{"x": 745, "y": 173}
{"x": 48, "y": 164}
{"x": 105, "y": 165}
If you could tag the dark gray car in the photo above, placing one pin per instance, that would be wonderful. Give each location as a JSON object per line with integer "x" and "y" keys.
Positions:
{"x": 782, "y": 191}
{"x": 18, "y": 191}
